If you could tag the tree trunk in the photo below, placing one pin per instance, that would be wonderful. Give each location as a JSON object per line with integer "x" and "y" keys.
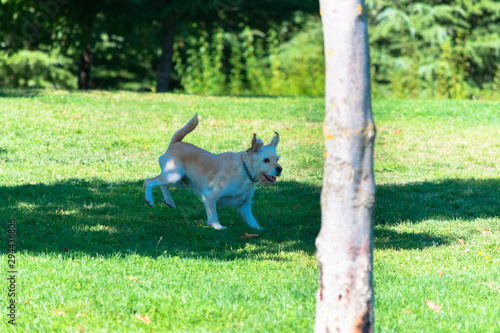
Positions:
{"x": 344, "y": 244}
{"x": 167, "y": 48}
{"x": 84, "y": 68}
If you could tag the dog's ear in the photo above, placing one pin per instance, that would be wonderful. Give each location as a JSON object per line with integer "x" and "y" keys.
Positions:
{"x": 274, "y": 142}
{"x": 256, "y": 145}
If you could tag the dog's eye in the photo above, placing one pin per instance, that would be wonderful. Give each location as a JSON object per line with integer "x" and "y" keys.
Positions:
{"x": 266, "y": 160}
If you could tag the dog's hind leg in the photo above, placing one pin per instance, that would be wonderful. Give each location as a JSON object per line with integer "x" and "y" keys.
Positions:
{"x": 148, "y": 186}
{"x": 166, "y": 196}
{"x": 169, "y": 176}
{"x": 164, "y": 180}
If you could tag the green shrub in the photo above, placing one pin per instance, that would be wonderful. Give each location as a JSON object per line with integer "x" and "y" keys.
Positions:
{"x": 202, "y": 71}
{"x": 36, "y": 69}
{"x": 301, "y": 62}
{"x": 422, "y": 62}
{"x": 256, "y": 65}
{"x": 451, "y": 70}
{"x": 253, "y": 62}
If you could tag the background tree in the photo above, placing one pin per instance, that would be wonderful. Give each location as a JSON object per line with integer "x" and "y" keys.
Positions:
{"x": 344, "y": 244}
{"x": 180, "y": 17}
{"x": 430, "y": 48}
{"x": 407, "y": 41}
{"x": 129, "y": 40}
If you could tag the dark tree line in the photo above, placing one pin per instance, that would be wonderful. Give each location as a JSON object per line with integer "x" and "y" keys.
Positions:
{"x": 129, "y": 37}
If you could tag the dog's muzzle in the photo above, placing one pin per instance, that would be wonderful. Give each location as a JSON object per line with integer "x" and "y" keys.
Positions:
{"x": 272, "y": 179}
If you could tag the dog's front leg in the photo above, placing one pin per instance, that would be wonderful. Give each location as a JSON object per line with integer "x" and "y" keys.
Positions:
{"x": 211, "y": 208}
{"x": 246, "y": 213}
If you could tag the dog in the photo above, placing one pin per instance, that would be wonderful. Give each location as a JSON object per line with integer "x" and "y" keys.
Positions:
{"x": 227, "y": 179}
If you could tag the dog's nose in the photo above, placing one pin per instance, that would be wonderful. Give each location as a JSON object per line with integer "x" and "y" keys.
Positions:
{"x": 279, "y": 169}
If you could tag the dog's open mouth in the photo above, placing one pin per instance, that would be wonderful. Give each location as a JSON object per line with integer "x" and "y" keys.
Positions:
{"x": 271, "y": 179}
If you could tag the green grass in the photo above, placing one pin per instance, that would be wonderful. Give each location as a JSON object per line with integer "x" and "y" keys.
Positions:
{"x": 71, "y": 172}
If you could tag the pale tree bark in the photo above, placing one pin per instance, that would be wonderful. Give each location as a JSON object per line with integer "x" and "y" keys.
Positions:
{"x": 344, "y": 245}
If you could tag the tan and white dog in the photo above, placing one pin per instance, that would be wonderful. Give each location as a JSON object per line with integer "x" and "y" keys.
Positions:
{"x": 227, "y": 179}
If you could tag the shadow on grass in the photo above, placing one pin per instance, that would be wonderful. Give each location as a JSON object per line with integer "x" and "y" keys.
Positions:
{"x": 96, "y": 217}
{"x": 17, "y": 93}
{"x": 450, "y": 199}
{"x": 466, "y": 199}
{"x": 385, "y": 238}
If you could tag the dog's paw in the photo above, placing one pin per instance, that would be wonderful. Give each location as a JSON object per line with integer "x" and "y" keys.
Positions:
{"x": 171, "y": 204}
{"x": 255, "y": 226}
{"x": 149, "y": 203}
{"x": 217, "y": 226}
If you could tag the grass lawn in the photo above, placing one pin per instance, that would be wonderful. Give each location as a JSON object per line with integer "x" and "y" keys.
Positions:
{"x": 90, "y": 256}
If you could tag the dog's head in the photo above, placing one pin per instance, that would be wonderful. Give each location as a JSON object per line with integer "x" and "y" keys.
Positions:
{"x": 264, "y": 160}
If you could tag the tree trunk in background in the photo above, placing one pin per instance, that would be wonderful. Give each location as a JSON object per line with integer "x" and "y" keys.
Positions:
{"x": 84, "y": 68}
{"x": 167, "y": 47}
{"x": 344, "y": 244}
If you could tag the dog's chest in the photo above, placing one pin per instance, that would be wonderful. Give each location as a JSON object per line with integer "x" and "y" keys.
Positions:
{"x": 237, "y": 195}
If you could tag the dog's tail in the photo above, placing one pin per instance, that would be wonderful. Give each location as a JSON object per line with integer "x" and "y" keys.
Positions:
{"x": 188, "y": 128}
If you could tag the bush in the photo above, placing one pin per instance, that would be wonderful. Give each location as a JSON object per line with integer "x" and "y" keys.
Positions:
{"x": 253, "y": 62}
{"x": 36, "y": 69}
{"x": 301, "y": 62}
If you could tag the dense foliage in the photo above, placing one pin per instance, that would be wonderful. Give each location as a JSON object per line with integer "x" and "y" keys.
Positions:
{"x": 36, "y": 69}
{"x": 418, "y": 49}
{"x": 436, "y": 48}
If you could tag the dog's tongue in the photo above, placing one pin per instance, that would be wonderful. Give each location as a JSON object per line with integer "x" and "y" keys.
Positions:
{"x": 271, "y": 178}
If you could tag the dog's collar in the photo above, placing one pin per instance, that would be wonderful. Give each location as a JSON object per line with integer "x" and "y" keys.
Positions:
{"x": 248, "y": 172}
